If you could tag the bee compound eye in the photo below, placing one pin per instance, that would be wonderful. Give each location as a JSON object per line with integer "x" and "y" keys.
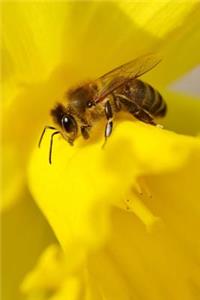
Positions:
{"x": 69, "y": 124}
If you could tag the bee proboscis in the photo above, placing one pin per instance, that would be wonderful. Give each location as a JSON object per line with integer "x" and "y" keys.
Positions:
{"x": 117, "y": 90}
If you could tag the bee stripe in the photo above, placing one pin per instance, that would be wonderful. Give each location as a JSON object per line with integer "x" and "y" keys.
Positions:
{"x": 157, "y": 102}
{"x": 149, "y": 97}
{"x": 162, "y": 110}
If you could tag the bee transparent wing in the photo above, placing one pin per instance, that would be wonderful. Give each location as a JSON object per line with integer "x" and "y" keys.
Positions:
{"x": 119, "y": 76}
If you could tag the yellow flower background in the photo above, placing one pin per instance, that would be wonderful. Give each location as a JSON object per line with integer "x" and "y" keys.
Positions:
{"x": 119, "y": 223}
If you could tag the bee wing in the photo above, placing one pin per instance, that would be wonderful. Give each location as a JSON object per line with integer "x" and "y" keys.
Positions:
{"x": 119, "y": 76}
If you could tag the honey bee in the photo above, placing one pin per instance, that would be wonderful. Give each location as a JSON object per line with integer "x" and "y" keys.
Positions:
{"x": 117, "y": 90}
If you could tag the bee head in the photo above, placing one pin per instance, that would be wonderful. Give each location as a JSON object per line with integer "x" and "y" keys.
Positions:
{"x": 81, "y": 98}
{"x": 66, "y": 121}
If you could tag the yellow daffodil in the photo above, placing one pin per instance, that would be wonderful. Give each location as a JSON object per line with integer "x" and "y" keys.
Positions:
{"x": 126, "y": 218}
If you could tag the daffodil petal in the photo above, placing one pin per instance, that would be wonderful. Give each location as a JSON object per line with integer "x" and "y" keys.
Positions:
{"x": 13, "y": 179}
{"x": 153, "y": 265}
{"x": 152, "y": 15}
{"x": 179, "y": 56}
{"x": 47, "y": 274}
{"x": 26, "y": 38}
{"x": 183, "y": 115}
{"x": 148, "y": 264}
{"x": 25, "y": 233}
{"x": 61, "y": 61}
{"x": 75, "y": 196}
{"x": 28, "y": 49}
{"x": 176, "y": 26}
{"x": 50, "y": 279}
{"x": 76, "y": 191}
{"x": 140, "y": 27}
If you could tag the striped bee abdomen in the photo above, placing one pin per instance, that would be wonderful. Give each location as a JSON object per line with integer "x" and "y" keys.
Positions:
{"x": 145, "y": 96}
{"x": 153, "y": 102}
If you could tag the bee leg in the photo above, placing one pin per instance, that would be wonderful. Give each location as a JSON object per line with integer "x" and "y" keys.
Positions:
{"x": 117, "y": 103}
{"x": 109, "y": 124}
{"x": 85, "y": 131}
{"x": 144, "y": 116}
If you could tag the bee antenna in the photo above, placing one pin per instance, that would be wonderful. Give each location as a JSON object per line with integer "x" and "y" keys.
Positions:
{"x": 43, "y": 132}
{"x": 51, "y": 145}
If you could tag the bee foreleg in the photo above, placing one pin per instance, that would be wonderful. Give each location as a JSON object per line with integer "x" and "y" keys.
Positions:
{"x": 109, "y": 117}
{"x": 85, "y": 131}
